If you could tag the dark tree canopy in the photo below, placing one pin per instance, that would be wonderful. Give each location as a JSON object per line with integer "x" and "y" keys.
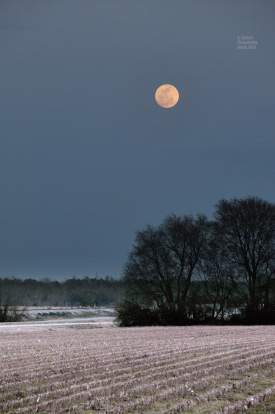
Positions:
{"x": 193, "y": 269}
{"x": 247, "y": 228}
{"x": 218, "y": 275}
{"x": 164, "y": 259}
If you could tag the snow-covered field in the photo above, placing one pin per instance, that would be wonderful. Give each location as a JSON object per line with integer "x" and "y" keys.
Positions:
{"x": 63, "y": 316}
{"x": 168, "y": 370}
{"x": 97, "y": 322}
{"x": 43, "y": 312}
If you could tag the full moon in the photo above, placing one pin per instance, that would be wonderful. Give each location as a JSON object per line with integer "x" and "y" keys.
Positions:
{"x": 167, "y": 96}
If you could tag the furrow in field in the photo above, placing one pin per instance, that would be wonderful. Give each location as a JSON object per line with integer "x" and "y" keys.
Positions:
{"x": 65, "y": 371}
{"x": 152, "y": 371}
{"x": 74, "y": 397}
{"x": 162, "y": 394}
{"x": 28, "y": 359}
{"x": 251, "y": 401}
{"x": 149, "y": 367}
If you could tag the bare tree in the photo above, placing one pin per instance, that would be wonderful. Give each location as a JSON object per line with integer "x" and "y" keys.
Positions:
{"x": 217, "y": 274}
{"x": 164, "y": 259}
{"x": 247, "y": 227}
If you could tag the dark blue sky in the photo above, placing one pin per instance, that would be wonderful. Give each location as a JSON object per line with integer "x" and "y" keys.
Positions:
{"x": 87, "y": 158}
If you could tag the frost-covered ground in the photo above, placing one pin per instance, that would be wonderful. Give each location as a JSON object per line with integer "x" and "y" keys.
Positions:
{"x": 168, "y": 370}
{"x": 63, "y": 316}
{"x": 97, "y": 322}
{"x": 43, "y": 312}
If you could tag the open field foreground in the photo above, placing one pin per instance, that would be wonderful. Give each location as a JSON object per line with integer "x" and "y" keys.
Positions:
{"x": 204, "y": 370}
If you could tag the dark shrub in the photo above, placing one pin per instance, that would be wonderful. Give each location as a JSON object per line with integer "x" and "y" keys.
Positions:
{"x": 133, "y": 314}
{"x": 10, "y": 314}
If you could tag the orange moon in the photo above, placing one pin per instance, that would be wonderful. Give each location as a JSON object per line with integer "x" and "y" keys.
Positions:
{"x": 167, "y": 96}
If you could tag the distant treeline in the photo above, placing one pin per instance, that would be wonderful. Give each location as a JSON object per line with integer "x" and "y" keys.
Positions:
{"x": 190, "y": 269}
{"x": 70, "y": 292}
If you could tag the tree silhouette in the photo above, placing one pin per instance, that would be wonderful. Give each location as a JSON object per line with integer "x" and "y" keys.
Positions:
{"x": 163, "y": 261}
{"x": 247, "y": 227}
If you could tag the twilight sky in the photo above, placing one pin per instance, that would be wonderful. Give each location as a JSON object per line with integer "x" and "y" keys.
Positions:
{"x": 87, "y": 158}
